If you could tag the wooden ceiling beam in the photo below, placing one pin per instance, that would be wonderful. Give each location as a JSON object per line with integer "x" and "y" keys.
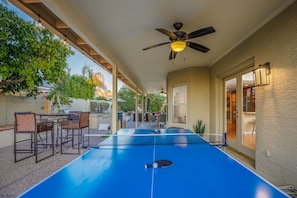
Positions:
{"x": 93, "y": 52}
{"x": 106, "y": 65}
{"x": 31, "y": 1}
{"x": 102, "y": 60}
{"x": 99, "y": 59}
{"x": 80, "y": 41}
{"x": 61, "y": 24}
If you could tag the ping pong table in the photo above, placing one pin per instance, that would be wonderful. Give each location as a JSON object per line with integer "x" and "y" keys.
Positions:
{"x": 121, "y": 167}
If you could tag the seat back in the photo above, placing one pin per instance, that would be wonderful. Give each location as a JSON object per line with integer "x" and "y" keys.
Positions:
{"x": 74, "y": 115}
{"x": 77, "y": 119}
{"x": 25, "y": 122}
{"x": 162, "y": 118}
{"x": 84, "y": 119}
{"x": 152, "y": 118}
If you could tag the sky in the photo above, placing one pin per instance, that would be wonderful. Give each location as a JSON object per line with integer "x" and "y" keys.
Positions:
{"x": 77, "y": 61}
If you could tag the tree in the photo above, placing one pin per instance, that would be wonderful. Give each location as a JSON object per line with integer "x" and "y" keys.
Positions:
{"x": 96, "y": 79}
{"x": 79, "y": 87}
{"x": 155, "y": 102}
{"x": 29, "y": 55}
{"x": 128, "y": 95}
{"x": 71, "y": 87}
{"x": 58, "y": 96}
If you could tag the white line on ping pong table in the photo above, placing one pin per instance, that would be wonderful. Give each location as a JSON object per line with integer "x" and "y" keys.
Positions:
{"x": 153, "y": 171}
{"x": 154, "y": 134}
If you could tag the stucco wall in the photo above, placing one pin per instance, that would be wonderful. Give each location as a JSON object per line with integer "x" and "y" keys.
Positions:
{"x": 11, "y": 104}
{"x": 197, "y": 81}
{"x": 276, "y": 104}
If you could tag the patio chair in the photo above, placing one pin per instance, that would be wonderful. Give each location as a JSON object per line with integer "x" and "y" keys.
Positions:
{"x": 152, "y": 119}
{"x": 77, "y": 121}
{"x": 162, "y": 120}
{"x": 38, "y": 141}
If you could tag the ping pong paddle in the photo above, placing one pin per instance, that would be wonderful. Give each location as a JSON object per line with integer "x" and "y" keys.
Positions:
{"x": 155, "y": 131}
{"x": 159, "y": 164}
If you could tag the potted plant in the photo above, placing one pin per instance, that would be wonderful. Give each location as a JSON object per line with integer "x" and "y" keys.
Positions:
{"x": 199, "y": 127}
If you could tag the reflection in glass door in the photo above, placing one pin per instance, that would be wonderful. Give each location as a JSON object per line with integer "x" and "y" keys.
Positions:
{"x": 231, "y": 112}
{"x": 248, "y": 119}
{"x": 240, "y": 111}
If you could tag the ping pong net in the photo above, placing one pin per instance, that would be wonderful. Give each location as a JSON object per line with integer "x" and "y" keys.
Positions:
{"x": 147, "y": 137}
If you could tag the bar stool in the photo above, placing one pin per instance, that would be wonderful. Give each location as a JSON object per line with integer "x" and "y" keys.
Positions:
{"x": 25, "y": 123}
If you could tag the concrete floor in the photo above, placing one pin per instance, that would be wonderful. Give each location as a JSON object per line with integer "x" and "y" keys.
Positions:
{"x": 15, "y": 178}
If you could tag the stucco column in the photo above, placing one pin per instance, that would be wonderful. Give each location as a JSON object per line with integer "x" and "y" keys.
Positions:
{"x": 136, "y": 109}
{"x": 114, "y": 99}
{"x": 142, "y": 107}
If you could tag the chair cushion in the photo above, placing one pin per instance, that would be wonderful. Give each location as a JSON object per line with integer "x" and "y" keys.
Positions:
{"x": 103, "y": 127}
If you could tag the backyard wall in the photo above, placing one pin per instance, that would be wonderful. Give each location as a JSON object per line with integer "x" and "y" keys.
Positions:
{"x": 276, "y": 104}
{"x": 11, "y": 104}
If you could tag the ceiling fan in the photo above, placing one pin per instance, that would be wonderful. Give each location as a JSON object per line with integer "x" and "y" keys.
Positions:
{"x": 179, "y": 39}
{"x": 162, "y": 91}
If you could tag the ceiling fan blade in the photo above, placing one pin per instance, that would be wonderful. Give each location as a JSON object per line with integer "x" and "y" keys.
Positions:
{"x": 172, "y": 55}
{"x": 198, "y": 47}
{"x": 201, "y": 32}
{"x": 166, "y": 32}
{"x": 155, "y": 45}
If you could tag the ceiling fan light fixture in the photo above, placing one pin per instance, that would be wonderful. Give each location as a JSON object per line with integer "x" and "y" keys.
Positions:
{"x": 178, "y": 46}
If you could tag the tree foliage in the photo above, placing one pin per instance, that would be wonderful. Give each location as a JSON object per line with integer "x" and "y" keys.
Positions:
{"x": 71, "y": 87}
{"x": 96, "y": 79}
{"x": 155, "y": 102}
{"x": 128, "y": 95}
{"x": 29, "y": 54}
{"x": 79, "y": 87}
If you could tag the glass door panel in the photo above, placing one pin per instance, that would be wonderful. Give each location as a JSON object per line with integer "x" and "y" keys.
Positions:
{"x": 231, "y": 112}
{"x": 248, "y": 120}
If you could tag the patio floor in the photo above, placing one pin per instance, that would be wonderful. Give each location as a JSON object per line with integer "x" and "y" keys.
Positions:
{"x": 16, "y": 178}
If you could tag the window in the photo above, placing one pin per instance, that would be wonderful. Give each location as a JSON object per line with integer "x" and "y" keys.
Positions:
{"x": 179, "y": 104}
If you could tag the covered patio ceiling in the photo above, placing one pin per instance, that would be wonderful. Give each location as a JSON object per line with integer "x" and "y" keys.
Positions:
{"x": 114, "y": 32}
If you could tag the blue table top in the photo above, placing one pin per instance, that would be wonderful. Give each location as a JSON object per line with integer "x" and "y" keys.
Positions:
{"x": 198, "y": 170}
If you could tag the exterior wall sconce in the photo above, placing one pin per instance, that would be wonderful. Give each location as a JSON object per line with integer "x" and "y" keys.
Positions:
{"x": 262, "y": 75}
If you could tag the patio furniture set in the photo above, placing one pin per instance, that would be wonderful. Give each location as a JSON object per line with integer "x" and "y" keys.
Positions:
{"x": 41, "y": 135}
